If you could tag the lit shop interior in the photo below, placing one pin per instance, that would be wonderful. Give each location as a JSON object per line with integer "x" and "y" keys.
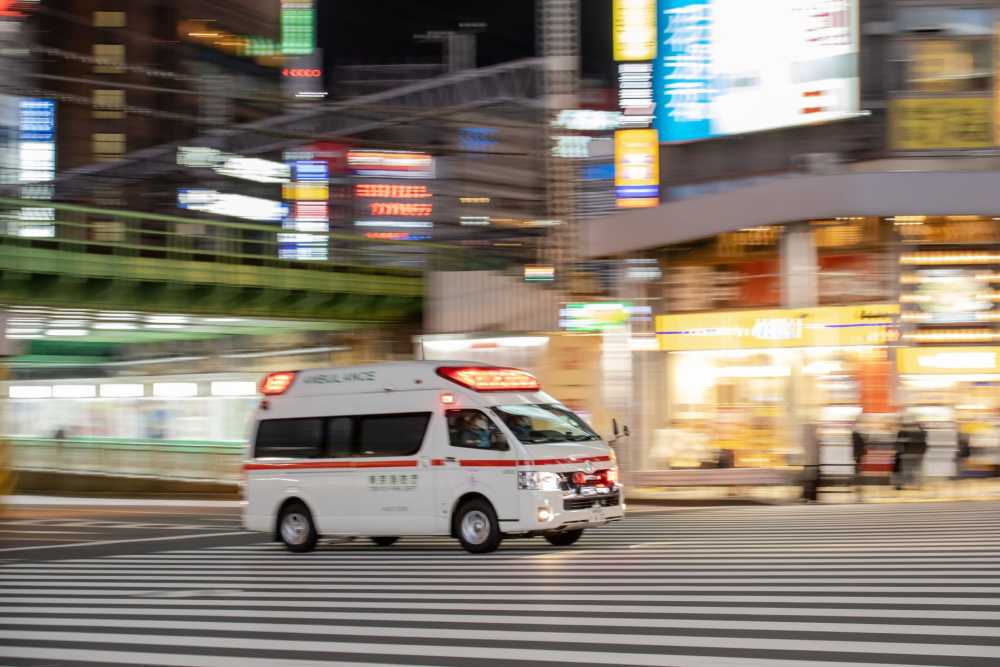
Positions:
{"x": 906, "y": 324}
{"x": 739, "y": 387}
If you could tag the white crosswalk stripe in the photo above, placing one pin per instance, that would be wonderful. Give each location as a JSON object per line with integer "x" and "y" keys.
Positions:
{"x": 725, "y": 587}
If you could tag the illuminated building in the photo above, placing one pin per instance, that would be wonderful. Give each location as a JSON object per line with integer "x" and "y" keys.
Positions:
{"x": 815, "y": 198}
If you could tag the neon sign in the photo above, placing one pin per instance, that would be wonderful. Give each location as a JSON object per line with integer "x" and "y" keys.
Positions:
{"x": 400, "y": 208}
{"x": 302, "y": 72}
{"x": 387, "y": 191}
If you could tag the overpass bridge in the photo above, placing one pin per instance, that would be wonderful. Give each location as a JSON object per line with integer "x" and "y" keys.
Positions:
{"x": 107, "y": 258}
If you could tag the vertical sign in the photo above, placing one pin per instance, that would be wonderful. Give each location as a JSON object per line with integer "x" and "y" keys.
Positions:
{"x": 298, "y": 27}
{"x": 309, "y": 219}
{"x": 37, "y": 157}
{"x": 634, "y": 24}
{"x": 637, "y": 148}
{"x": 637, "y": 168}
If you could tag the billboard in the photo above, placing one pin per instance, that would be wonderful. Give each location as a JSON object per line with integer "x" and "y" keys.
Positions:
{"x": 637, "y": 168}
{"x": 928, "y": 123}
{"x": 731, "y": 66}
{"x": 634, "y": 34}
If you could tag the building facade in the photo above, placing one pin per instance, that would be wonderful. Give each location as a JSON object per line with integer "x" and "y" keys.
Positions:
{"x": 815, "y": 274}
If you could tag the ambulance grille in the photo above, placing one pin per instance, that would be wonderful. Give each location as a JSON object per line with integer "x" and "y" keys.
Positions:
{"x": 586, "y": 502}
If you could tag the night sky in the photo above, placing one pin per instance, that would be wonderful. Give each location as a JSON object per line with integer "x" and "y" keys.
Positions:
{"x": 381, "y": 31}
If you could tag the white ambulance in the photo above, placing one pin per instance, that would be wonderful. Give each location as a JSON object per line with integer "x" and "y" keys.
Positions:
{"x": 423, "y": 448}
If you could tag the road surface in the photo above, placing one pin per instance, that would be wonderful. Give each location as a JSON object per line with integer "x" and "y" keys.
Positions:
{"x": 913, "y": 584}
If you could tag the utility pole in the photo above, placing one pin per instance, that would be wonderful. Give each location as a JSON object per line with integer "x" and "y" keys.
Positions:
{"x": 559, "y": 45}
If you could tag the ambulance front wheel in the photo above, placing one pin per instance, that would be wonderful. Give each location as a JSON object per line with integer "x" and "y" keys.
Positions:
{"x": 385, "y": 541}
{"x": 296, "y": 528}
{"x": 564, "y": 538}
{"x": 477, "y": 528}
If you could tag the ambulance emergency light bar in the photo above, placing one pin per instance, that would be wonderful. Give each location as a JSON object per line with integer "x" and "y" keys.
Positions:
{"x": 490, "y": 379}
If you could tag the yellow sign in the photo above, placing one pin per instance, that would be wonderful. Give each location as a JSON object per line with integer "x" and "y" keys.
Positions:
{"x": 634, "y": 30}
{"x": 940, "y": 122}
{"x": 305, "y": 191}
{"x": 808, "y": 327}
{"x": 637, "y": 168}
{"x": 948, "y": 360}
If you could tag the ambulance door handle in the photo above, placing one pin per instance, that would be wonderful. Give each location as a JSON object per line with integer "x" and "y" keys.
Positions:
{"x": 450, "y": 459}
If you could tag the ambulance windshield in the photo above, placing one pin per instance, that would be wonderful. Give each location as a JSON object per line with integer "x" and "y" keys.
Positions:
{"x": 544, "y": 423}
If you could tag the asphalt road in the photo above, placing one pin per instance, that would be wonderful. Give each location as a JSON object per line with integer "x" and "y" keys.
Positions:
{"x": 913, "y": 584}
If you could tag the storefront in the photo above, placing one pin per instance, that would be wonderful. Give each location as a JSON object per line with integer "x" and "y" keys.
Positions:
{"x": 955, "y": 392}
{"x": 738, "y": 389}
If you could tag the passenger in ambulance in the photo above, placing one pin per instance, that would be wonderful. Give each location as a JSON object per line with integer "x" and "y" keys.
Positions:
{"x": 521, "y": 427}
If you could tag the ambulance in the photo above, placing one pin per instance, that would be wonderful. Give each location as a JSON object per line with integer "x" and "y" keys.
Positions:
{"x": 385, "y": 451}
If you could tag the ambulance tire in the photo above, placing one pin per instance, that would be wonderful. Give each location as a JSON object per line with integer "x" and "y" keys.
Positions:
{"x": 564, "y": 538}
{"x": 477, "y": 528}
{"x": 297, "y": 529}
{"x": 385, "y": 541}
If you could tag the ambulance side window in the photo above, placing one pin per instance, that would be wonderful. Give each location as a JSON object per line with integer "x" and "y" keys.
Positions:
{"x": 339, "y": 437}
{"x": 289, "y": 438}
{"x": 391, "y": 435}
{"x": 474, "y": 430}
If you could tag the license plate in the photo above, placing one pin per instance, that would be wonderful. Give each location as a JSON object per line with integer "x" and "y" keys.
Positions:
{"x": 597, "y": 513}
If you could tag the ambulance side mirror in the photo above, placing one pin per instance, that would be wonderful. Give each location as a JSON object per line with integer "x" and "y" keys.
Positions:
{"x": 614, "y": 427}
{"x": 625, "y": 431}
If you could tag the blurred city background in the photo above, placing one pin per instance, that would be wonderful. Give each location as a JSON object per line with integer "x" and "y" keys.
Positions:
{"x": 756, "y": 233}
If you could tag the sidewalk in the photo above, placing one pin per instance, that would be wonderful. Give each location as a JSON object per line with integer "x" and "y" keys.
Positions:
{"x": 78, "y": 501}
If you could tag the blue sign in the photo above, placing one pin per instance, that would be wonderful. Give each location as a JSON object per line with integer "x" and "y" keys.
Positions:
{"x": 599, "y": 172}
{"x": 37, "y": 119}
{"x": 311, "y": 170}
{"x": 477, "y": 138}
{"x": 682, "y": 74}
{"x": 637, "y": 191}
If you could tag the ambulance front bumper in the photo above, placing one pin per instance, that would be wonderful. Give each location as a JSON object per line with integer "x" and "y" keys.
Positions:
{"x": 562, "y": 510}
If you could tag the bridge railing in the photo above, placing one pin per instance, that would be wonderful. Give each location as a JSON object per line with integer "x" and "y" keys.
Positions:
{"x": 186, "y": 460}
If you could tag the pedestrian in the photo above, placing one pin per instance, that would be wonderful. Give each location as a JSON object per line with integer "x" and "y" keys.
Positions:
{"x": 811, "y": 468}
{"x": 911, "y": 446}
{"x": 858, "y": 449}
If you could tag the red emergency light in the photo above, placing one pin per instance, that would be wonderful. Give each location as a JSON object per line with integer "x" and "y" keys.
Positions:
{"x": 302, "y": 72}
{"x": 275, "y": 384}
{"x": 485, "y": 378}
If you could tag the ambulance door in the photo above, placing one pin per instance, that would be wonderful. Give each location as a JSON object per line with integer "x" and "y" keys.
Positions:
{"x": 395, "y": 491}
{"x": 476, "y": 459}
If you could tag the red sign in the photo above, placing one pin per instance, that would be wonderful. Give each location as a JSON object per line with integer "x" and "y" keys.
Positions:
{"x": 389, "y": 191}
{"x": 401, "y": 208}
{"x": 298, "y": 72}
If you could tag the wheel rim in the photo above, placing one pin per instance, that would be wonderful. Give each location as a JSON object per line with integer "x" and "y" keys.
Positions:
{"x": 295, "y": 528}
{"x": 475, "y": 527}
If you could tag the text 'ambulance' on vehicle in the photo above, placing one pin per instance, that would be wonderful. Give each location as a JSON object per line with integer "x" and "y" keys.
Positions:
{"x": 423, "y": 448}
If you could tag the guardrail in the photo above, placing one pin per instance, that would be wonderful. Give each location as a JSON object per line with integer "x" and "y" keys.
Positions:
{"x": 182, "y": 460}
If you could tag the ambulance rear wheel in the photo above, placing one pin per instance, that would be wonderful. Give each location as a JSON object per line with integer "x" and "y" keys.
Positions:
{"x": 385, "y": 541}
{"x": 296, "y": 528}
{"x": 564, "y": 538}
{"x": 477, "y": 528}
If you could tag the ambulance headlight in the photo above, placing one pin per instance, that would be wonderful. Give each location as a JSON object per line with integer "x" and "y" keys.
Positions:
{"x": 533, "y": 480}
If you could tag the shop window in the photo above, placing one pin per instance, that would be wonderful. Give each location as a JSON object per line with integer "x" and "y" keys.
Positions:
{"x": 110, "y": 58}
{"x": 109, "y": 19}
{"x": 109, "y": 103}
{"x": 108, "y": 145}
{"x": 947, "y": 66}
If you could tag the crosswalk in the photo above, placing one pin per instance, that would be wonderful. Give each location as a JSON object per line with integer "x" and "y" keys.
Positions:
{"x": 798, "y": 586}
